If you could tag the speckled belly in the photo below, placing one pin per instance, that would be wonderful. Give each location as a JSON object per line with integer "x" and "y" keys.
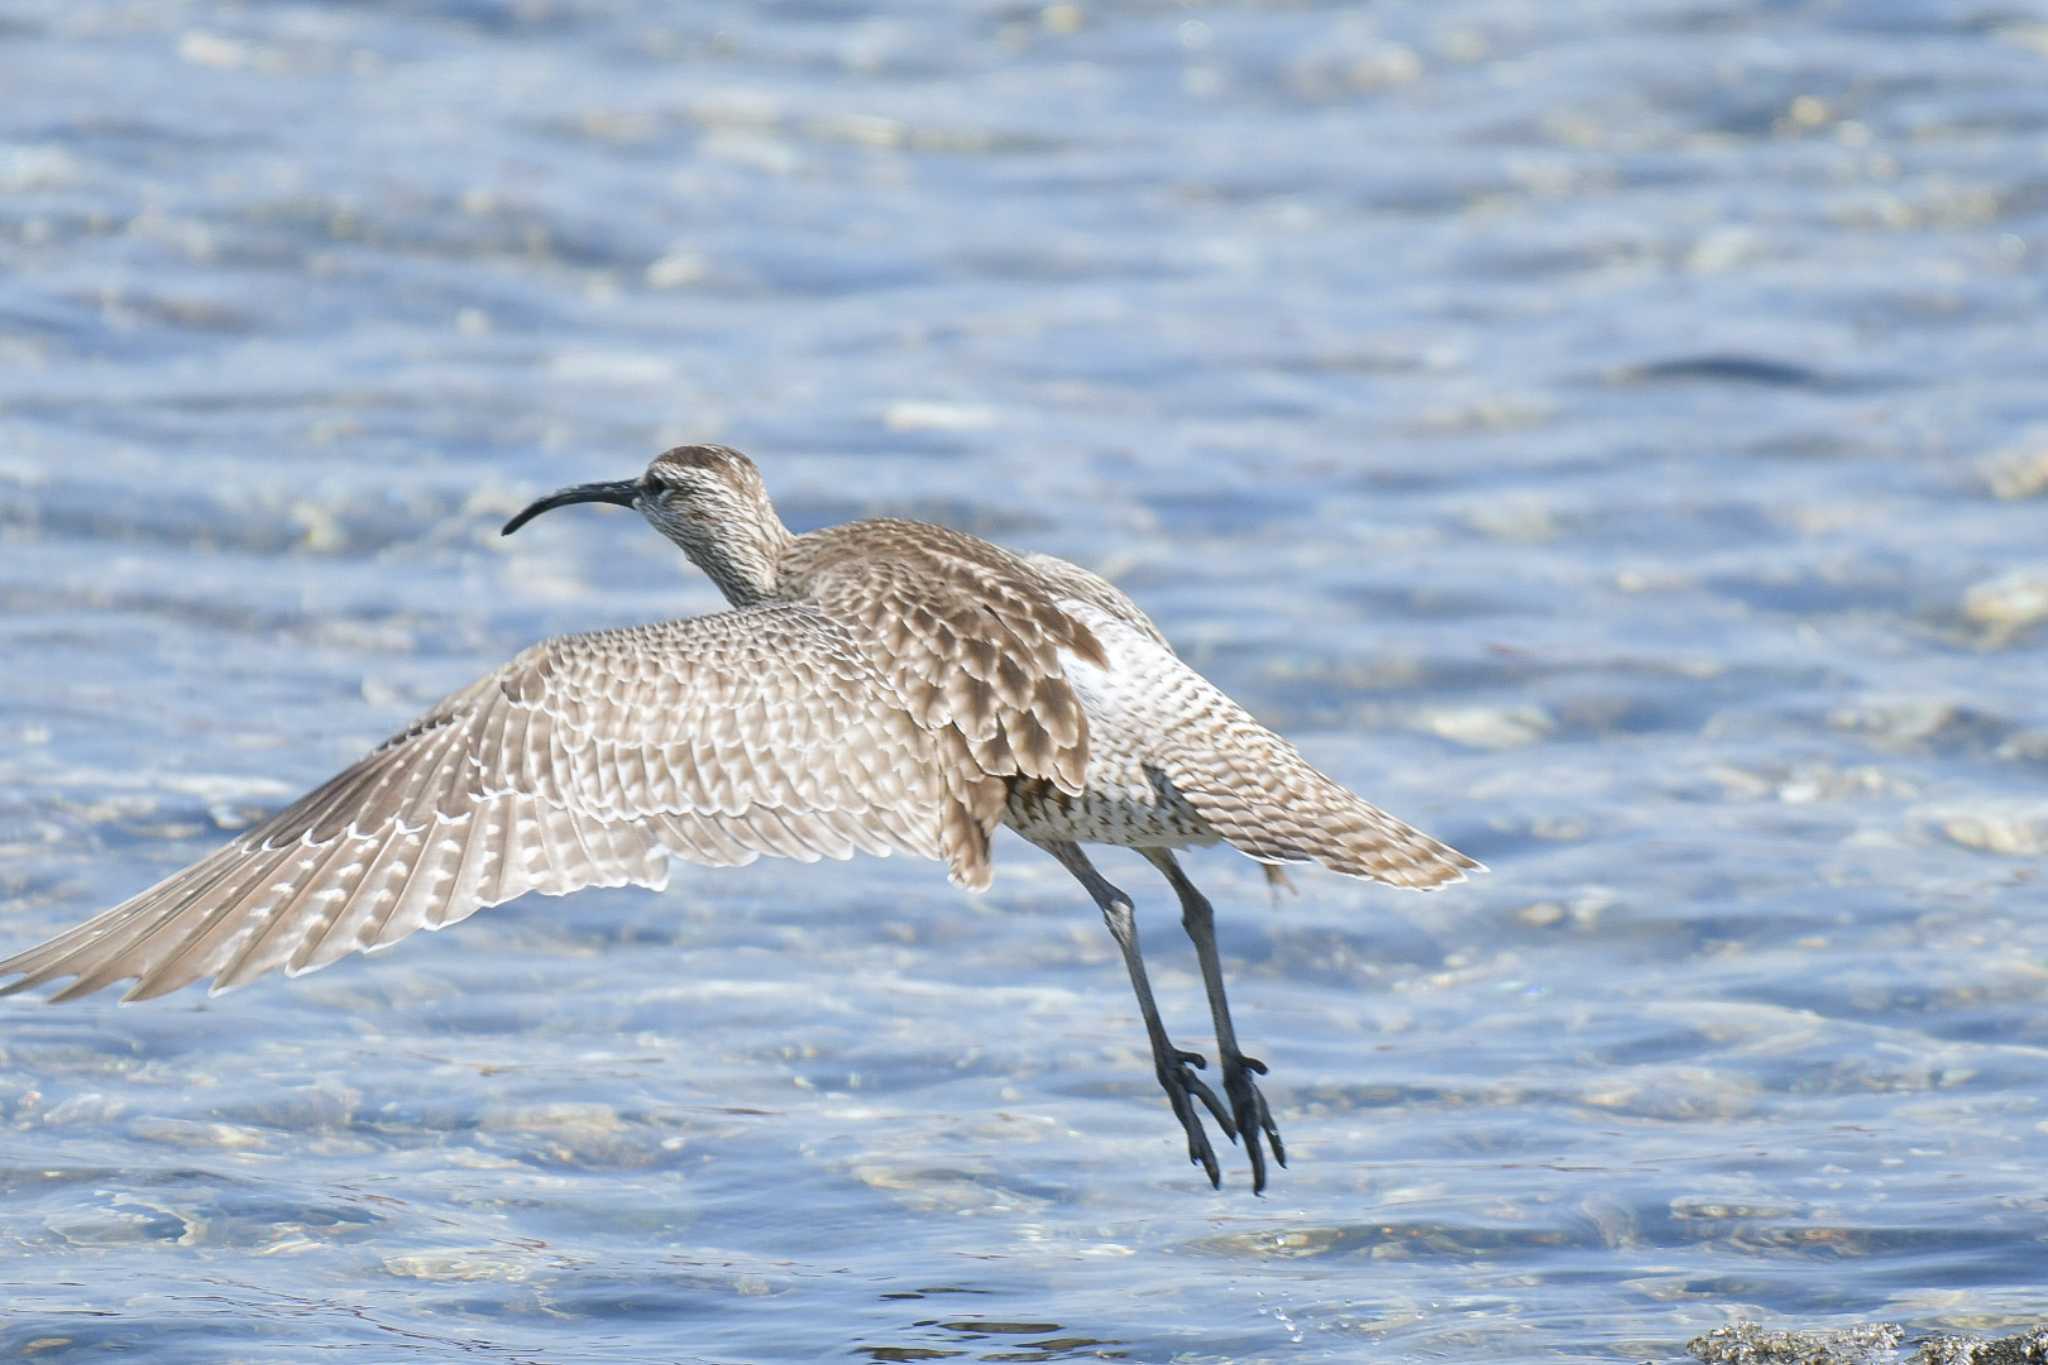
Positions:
{"x": 1138, "y": 719}
{"x": 1145, "y": 814}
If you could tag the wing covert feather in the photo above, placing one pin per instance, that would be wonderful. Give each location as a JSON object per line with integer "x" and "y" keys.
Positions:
{"x": 972, "y": 638}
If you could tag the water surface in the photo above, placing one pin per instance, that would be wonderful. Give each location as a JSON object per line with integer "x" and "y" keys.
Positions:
{"x": 1610, "y": 436}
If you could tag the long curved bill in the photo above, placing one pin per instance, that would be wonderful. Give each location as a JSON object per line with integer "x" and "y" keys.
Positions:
{"x": 621, "y": 493}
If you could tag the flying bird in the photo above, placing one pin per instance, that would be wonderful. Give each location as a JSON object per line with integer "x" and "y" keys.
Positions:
{"x": 882, "y": 686}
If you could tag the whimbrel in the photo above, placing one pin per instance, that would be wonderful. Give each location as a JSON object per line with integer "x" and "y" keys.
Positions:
{"x": 876, "y": 687}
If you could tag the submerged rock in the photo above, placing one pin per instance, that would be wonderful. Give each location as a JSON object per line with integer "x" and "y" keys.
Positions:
{"x": 2023, "y": 1348}
{"x": 1746, "y": 1343}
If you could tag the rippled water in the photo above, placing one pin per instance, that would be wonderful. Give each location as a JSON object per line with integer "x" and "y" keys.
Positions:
{"x": 1612, "y": 436}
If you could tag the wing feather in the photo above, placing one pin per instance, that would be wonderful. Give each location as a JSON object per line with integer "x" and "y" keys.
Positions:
{"x": 972, "y": 639}
{"x": 588, "y": 760}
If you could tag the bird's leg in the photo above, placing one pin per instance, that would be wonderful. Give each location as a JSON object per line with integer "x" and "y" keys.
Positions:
{"x": 1174, "y": 1067}
{"x": 1248, "y": 1106}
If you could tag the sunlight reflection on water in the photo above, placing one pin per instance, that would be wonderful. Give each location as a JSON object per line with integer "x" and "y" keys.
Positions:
{"x": 1612, "y": 439}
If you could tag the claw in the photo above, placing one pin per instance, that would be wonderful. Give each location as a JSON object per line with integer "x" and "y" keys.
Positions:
{"x": 1199, "y": 1088}
{"x": 1252, "y": 1115}
{"x": 1246, "y": 1117}
{"x": 1183, "y": 1088}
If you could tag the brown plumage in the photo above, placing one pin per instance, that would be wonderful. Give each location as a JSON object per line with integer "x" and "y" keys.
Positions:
{"x": 877, "y": 687}
{"x": 970, "y": 641}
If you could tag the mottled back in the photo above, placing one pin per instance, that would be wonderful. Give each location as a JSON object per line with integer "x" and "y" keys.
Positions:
{"x": 971, "y": 636}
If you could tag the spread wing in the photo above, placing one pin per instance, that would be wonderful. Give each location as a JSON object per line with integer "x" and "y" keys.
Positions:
{"x": 586, "y": 761}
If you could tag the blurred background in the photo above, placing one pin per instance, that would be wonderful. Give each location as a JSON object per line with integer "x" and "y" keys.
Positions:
{"x": 1611, "y": 436}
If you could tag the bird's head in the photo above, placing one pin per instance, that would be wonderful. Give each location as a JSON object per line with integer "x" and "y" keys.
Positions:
{"x": 709, "y": 500}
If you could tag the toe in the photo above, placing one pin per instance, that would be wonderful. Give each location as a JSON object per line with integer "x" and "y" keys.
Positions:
{"x": 1252, "y": 1116}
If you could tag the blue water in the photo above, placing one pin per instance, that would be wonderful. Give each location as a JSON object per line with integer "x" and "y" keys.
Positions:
{"x": 1611, "y": 436}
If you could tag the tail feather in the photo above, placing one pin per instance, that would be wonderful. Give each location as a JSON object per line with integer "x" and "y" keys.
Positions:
{"x": 1269, "y": 803}
{"x": 1252, "y": 787}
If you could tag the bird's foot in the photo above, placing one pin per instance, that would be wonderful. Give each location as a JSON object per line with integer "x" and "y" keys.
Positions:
{"x": 1176, "y": 1070}
{"x": 1252, "y": 1117}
